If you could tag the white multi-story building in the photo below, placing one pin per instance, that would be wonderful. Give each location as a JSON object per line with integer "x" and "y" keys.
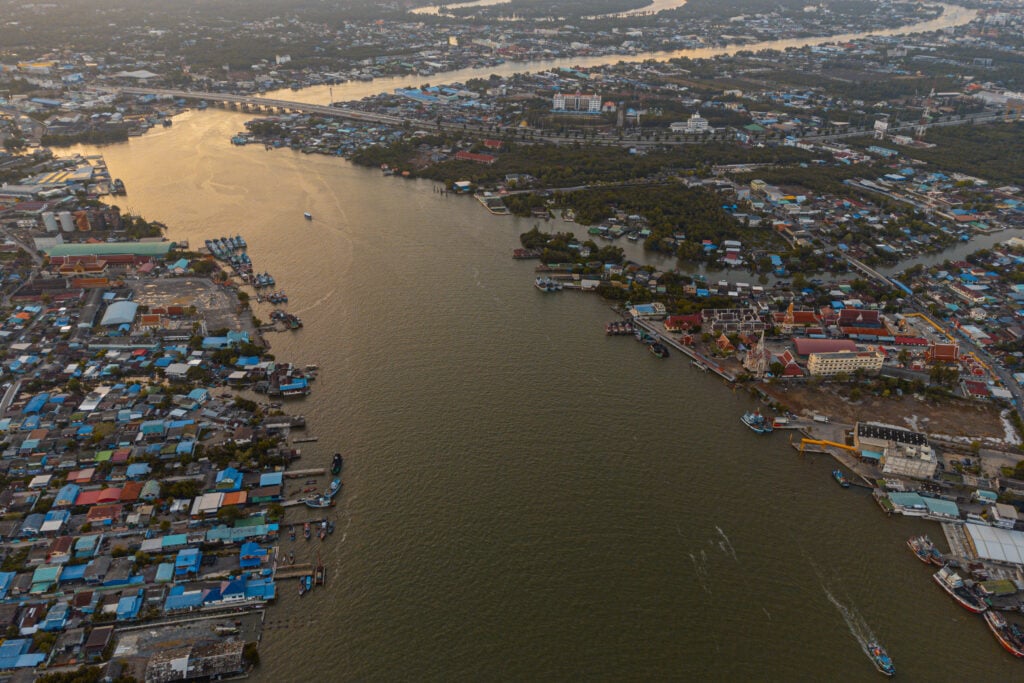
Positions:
{"x": 696, "y": 124}
{"x": 577, "y": 102}
{"x": 828, "y": 364}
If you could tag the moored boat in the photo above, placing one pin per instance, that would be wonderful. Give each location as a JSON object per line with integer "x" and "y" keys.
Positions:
{"x": 757, "y": 422}
{"x": 306, "y": 531}
{"x": 840, "y": 478}
{"x": 336, "y": 464}
{"x": 1010, "y": 636}
{"x": 951, "y": 582}
{"x": 659, "y": 350}
{"x": 880, "y": 658}
{"x": 921, "y": 546}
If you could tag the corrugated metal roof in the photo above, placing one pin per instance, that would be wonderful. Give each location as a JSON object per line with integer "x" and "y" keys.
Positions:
{"x": 992, "y": 543}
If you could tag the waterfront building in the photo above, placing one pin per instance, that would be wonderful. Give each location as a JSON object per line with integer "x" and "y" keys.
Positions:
{"x": 903, "y": 452}
{"x": 830, "y": 364}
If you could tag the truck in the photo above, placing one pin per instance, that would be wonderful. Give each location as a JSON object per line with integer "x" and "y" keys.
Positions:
{"x": 821, "y": 418}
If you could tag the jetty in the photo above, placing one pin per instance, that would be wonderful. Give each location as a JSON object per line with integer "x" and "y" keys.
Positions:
{"x": 701, "y": 362}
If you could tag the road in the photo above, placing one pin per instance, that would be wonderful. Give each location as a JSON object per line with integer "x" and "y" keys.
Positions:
{"x": 544, "y": 136}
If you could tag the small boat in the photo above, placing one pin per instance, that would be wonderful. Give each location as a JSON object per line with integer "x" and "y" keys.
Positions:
{"x": 291, "y": 533}
{"x": 308, "y": 216}
{"x": 1010, "y": 636}
{"x": 320, "y": 575}
{"x": 336, "y": 464}
{"x": 757, "y": 422}
{"x": 302, "y": 586}
{"x": 951, "y": 582}
{"x": 659, "y": 350}
{"x": 880, "y": 658}
{"x": 330, "y": 527}
{"x": 306, "y": 531}
{"x": 840, "y": 478}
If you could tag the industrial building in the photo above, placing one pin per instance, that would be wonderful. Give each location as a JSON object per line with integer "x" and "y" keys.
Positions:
{"x": 901, "y": 452}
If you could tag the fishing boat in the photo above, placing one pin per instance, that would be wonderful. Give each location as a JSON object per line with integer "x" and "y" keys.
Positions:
{"x": 757, "y": 422}
{"x": 546, "y": 284}
{"x": 302, "y": 586}
{"x": 922, "y": 547}
{"x": 306, "y": 531}
{"x": 880, "y": 658}
{"x": 936, "y": 557}
{"x": 308, "y": 216}
{"x": 840, "y": 478}
{"x": 951, "y": 582}
{"x": 320, "y": 575}
{"x": 659, "y": 350}
{"x": 291, "y": 533}
{"x": 1010, "y": 636}
{"x": 336, "y": 464}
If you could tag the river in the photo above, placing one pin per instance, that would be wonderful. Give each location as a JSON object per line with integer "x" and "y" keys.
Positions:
{"x": 526, "y": 498}
{"x": 652, "y": 7}
{"x": 952, "y": 15}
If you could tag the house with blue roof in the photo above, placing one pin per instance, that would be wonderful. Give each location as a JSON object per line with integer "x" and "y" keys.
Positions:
{"x": 181, "y": 599}
{"x": 199, "y": 395}
{"x": 86, "y": 546}
{"x": 137, "y": 470}
{"x": 14, "y": 654}
{"x": 44, "y": 579}
{"x": 57, "y": 618}
{"x": 229, "y": 479}
{"x": 271, "y": 478}
{"x": 128, "y": 607}
{"x": 35, "y": 404}
{"x": 164, "y": 572}
{"x": 251, "y": 555}
{"x": 66, "y": 496}
{"x": 187, "y": 562}
{"x": 5, "y": 583}
{"x": 227, "y": 341}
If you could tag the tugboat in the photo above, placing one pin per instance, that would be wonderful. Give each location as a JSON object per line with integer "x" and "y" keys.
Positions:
{"x": 840, "y": 478}
{"x": 880, "y": 658}
{"x": 336, "y": 464}
{"x": 757, "y": 422}
{"x": 659, "y": 350}
{"x": 951, "y": 582}
{"x": 1010, "y": 636}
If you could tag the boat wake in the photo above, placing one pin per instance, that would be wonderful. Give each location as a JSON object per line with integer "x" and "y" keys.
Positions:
{"x": 701, "y": 568}
{"x": 318, "y": 302}
{"x": 726, "y": 544}
{"x": 855, "y": 623}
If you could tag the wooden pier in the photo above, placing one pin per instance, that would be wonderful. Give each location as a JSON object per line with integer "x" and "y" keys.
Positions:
{"x": 313, "y": 472}
{"x": 294, "y": 571}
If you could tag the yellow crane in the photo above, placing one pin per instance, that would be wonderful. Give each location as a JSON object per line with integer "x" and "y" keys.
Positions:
{"x": 819, "y": 442}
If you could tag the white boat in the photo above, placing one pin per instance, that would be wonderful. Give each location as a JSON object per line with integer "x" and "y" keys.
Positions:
{"x": 308, "y": 216}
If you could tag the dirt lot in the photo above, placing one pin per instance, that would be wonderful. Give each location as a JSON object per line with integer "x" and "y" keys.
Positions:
{"x": 218, "y": 305}
{"x": 954, "y": 418}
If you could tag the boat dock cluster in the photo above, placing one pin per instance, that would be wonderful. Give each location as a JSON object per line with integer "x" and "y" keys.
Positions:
{"x": 232, "y": 251}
